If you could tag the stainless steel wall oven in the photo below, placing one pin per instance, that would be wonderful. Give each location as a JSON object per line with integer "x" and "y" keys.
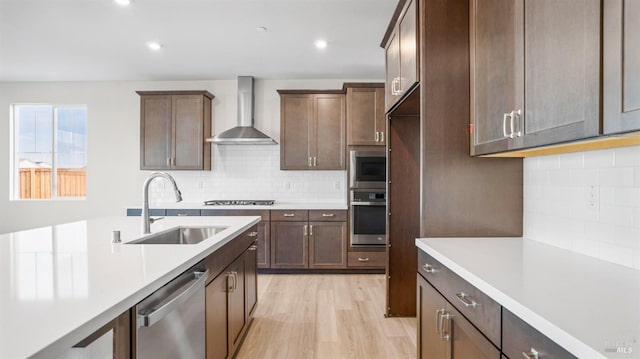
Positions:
{"x": 368, "y": 217}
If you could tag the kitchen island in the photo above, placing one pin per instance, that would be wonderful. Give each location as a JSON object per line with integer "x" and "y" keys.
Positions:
{"x": 60, "y": 284}
{"x": 588, "y": 306}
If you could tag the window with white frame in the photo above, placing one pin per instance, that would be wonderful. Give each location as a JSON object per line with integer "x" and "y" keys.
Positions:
{"x": 49, "y": 148}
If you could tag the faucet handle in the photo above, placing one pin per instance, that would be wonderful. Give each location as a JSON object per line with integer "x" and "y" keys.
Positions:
{"x": 153, "y": 220}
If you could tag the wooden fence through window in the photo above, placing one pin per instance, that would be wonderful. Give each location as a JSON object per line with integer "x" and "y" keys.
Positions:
{"x": 36, "y": 183}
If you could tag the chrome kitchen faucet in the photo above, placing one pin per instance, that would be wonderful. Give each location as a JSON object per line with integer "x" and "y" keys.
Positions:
{"x": 146, "y": 220}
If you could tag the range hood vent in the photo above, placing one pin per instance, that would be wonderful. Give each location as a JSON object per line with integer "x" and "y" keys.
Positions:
{"x": 244, "y": 133}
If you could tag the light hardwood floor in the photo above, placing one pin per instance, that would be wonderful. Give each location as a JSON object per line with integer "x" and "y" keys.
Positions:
{"x": 326, "y": 316}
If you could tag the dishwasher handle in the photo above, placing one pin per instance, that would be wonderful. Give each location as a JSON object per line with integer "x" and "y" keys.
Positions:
{"x": 151, "y": 318}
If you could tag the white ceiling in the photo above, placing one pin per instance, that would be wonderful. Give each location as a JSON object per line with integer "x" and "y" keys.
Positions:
{"x": 98, "y": 40}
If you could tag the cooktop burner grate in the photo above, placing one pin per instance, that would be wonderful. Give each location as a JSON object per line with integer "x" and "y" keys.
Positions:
{"x": 239, "y": 202}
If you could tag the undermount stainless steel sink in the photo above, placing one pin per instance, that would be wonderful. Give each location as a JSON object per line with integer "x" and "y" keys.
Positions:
{"x": 180, "y": 235}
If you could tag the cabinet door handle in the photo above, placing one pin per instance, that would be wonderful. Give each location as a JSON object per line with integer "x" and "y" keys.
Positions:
{"x": 315, "y": 161}
{"x": 231, "y": 279}
{"x": 532, "y": 354}
{"x": 328, "y": 215}
{"x": 168, "y": 161}
{"x": 377, "y": 136}
{"x": 304, "y": 230}
{"x": 512, "y": 115}
{"x": 466, "y": 300}
{"x": 311, "y": 229}
{"x": 439, "y": 313}
{"x": 309, "y": 165}
{"x": 506, "y": 120}
{"x": 429, "y": 268}
{"x": 252, "y": 234}
{"x": 381, "y": 136}
{"x": 446, "y": 332}
{"x": 396, "y": 91}
{"x": 289, "y": 215}
{"x": 365, "y": 259}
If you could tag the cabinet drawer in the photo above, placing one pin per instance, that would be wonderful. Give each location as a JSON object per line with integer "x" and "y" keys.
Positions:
{"x": 519, "y": 339}
{"x": 328, "y": 215}
{"x": 264, "y": 215}
{"x": 152, "y": 212}
{"x": 292, "y": 216}
{"x": 481, "y": 310}
{"x": 366, "y": 259}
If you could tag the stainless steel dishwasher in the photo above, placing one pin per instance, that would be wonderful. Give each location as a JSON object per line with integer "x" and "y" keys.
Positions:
{"x": 171, "y": 321}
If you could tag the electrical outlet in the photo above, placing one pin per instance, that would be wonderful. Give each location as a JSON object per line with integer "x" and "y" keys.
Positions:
{"x": 593, "y": 200}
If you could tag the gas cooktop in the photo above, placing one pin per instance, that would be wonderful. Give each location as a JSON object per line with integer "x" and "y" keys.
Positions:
{"x": 239, "y": 202}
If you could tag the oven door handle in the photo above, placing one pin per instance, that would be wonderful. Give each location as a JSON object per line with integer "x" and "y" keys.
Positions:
{"x": 368, "y": 203}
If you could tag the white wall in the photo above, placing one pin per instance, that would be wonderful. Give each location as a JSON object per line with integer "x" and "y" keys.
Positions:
{"x": 559, "y": 210}
{"x": 114, "y": 179}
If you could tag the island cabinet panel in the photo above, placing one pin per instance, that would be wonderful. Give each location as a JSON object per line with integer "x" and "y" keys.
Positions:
{"x": 174, "y": 126}
{"x": 366, "y": 123}
{"x": 621, "y": 66}
{"x": 231, "y": 294}
{"x": 216, "y": 299}
{"x": 443, "y": 332}
{"x": 519, "y": 338}
{"x": 535, "y": 73}
{"x": 312, "y": 130}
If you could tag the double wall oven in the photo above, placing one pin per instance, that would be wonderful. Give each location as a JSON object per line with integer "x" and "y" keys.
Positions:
{"x": 368, "y": 198}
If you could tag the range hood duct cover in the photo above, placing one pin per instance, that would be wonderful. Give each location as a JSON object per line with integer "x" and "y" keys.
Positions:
{"x": 244, "y": 133}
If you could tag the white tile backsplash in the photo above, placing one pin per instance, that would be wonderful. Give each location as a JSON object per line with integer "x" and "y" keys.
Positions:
{"x": 253, "y": 172}
{"x": 559, "y": 210}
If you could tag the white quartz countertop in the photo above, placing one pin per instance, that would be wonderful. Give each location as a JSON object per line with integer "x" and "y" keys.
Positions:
{"x": 59, "y": 284}
{"x": 275, "y": 206}
{"x": 588, "y": 306}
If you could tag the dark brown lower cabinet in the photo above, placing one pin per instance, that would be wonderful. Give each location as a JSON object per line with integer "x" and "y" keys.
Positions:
{"x": 443, "y": 332}
{"x": 289, "y": 245}
{"x": 120, "y": 328}
{"x": 264, "y": 248}
{"x": 231, "y": 296}
{"x": 315, "y": 239}
{"x": 327, "y": 244}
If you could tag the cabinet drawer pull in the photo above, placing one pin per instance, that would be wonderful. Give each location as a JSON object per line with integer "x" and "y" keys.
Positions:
{"x": 366, "y": 259}
{"x": 466, "y": 300}
{"x": 328, "y": 215}
{"x": 429, "y": 268}
{"x": 532, "y": 354}
{"x": 252, "y": 234}
{"x": 311, "y": 229}
{"x": 289, "y": 214}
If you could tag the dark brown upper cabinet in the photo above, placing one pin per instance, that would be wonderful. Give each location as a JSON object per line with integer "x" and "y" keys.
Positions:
{"x": 621, "y": 66}
{"x": 174, "y": 126}
{"x": 401, "y": 53}
{"x": 366, "y": 123}
{"x": 312, "y": 130}
{"x": 535, "y": 73}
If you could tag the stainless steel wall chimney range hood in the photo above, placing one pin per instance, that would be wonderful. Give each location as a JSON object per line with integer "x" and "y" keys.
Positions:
{"x": 244, "y": 133}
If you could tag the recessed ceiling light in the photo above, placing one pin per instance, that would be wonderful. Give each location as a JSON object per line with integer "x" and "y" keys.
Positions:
{"x": 321, "y": 44}
{"x": 154, "y": 45}
{"x": 123, "y": 2}
{"x": 261, "y": 29}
